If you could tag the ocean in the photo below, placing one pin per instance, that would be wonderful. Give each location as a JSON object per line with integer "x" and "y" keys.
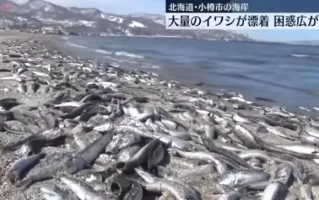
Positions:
{"x": 286, "y": 74}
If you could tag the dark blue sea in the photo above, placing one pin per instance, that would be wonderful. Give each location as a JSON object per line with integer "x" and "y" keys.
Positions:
{"x": 287, "y": 74}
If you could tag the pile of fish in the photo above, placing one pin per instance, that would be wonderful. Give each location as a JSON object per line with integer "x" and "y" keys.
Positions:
{"x": 101, "y": 132}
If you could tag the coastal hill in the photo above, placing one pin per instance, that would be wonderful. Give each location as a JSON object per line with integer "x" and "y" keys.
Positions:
{"x": 39, "y": 14}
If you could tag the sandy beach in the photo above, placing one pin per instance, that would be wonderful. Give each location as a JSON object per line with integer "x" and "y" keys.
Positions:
{"x": 176, "y": 115}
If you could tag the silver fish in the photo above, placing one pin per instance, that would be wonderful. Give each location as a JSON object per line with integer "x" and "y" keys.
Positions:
{"x": 112, "y": 147}
{"x": 53, "y": 192}
{"x": 22, "y": 87}
{"x": 275, "y": 131}
{"x": 82, "y": 191}
{"x": 129, "y": 140}
{"x": 205, "y": 156}
{"x": 283, "y": 173}
{"x": 309, "y": 139}
{"x": 275, "y": 191}
{"x": 179, "y": 190}
{"x": 127, "y": 153}
{"x": 20, "y": 166}
{"x": 243, "y": 177}
{"x": 299, "y": 148}
{"x": 142, "y": 156}
{"x": 119, "y": 185}
{"x": 312, "y": 131}
{"x": 230, "y": 196}
{"x": 135, "y": 192}
{"x": 108, "y": 126}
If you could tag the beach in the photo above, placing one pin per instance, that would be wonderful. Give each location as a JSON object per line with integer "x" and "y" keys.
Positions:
{"x": 76, "y": 93}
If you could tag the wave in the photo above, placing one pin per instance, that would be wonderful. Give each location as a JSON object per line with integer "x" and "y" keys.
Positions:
{"x": 299, "y": 55}
{"x": 150, "y": 66}
{"x": 102, "y": 51}
{"x": 76, "y": 45}
{"x": 126, "y": 54}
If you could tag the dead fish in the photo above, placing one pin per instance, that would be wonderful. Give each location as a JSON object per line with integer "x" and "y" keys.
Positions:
{"x": 243, "y": 177}
{"x": 127, "y": 153}
{"x": 275, "y": 131}
{"x": 136, "y": 99}
{"x": 40, "y": 74}
{"x": 255, "y": 163}
{"x": 90, "y": 97}
{"x": 311, "y": 131}
{"x": 135, "y": 192}
{"x": 53, "y": 192}
{"x": 35, "y": 86}
{"x": 210, "y": 131}
{"x": 85, "y": 157}
{"x": 112, "y": 147}
{"x": 156, "y": 157}
{"x": 205, "y": 156}
{"x": 8, "y": 103}
{"x": 178, "y": 134}
{"x": 180, "y": 191}
{"x": 128, "y": 140}
{"x": 141, "y": 157}
{"x": 50, "y": 120}
{"x": 245, "y": 136}
{"x": 20, "y": 167}
{"x": 22, "y": 87}
{"x": 75, "y": 104}
{"x": 283, "y": 173}
{"x": 212, "y": 146}
{"x": 119, "y": 185}
{"x": 299, "y": 148}
{"x": 107, "y": 126}
{"x": 309, "y": 139}
{"x": 231, "y": 196}
{"x": 83, "y": 192}
{"x": 275, "y": 191}
{"x": 122, "y": 141}
{"x": 76, "y": 112}
{"x": 239, "y": 119}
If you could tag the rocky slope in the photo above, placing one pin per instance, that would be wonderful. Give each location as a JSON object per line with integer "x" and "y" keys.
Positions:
{"x": 37, "y": 14}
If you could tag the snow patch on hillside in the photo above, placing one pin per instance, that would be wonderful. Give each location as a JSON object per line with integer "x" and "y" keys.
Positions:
{"x": 114, "y": 18}
{"x": 137, "y": 24}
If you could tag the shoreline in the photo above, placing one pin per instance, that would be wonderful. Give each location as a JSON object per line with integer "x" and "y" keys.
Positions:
{"x": 155, "y": 109}
{"x": 167, "y": 74}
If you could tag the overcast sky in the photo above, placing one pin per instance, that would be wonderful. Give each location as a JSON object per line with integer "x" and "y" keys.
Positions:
{"x": 118, "y": 6}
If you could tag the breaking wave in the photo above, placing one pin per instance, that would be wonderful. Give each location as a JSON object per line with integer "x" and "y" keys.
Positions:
{"x": 76, "y": 45}
{"x": 299, "y": 55}
{"x": 102, "y": 51}
{"x": 126, "y": 54}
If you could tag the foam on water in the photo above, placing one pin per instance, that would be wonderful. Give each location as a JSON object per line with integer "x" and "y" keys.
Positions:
{"x": 299, "y": 55}
{"x": 103, "y": 51}
{"x": 126, "y": 54}
{"x": 77, "y": 45}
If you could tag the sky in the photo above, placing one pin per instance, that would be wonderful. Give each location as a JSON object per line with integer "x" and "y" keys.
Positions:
{"x": 158, "y": 7}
